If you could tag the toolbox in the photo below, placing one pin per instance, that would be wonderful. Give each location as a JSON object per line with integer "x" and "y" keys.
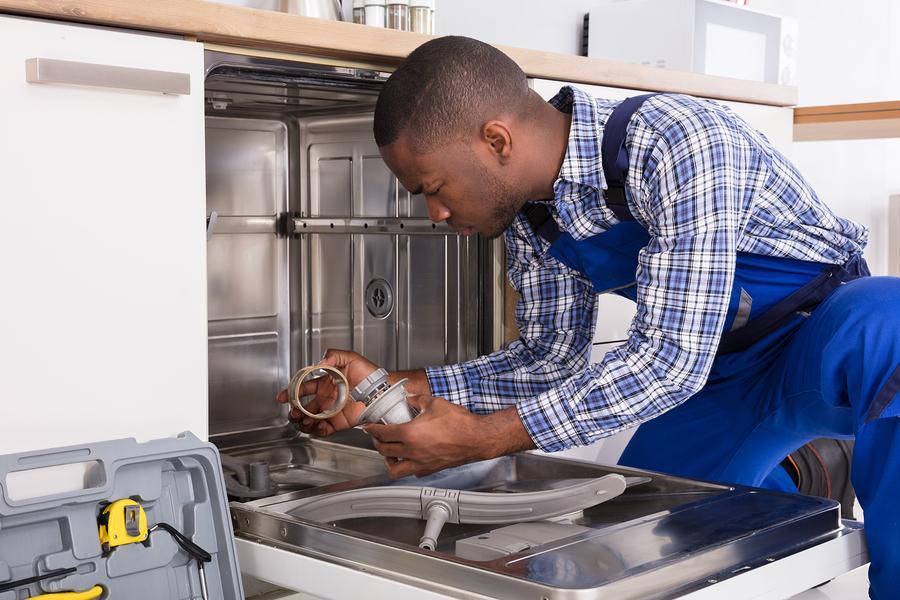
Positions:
{"x": 160, "y": 507}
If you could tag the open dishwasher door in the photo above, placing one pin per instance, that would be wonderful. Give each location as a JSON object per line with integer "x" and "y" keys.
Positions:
{"x": 662, "y": 537}
{"x": 315, "y": 245}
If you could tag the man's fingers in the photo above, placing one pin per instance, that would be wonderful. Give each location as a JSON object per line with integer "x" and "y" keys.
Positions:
{"x": 306, "y": 423}
{"x": 319, "y": 403}
{"x": 338, "y": 358}
{"x": 385, "y": 433}
{"x": 389, "y": 449}
{"x": 282, "y": 397}
{"x": 323, "y": 428}
{"x": 313, "y": 386}
{"x": 420, "y": 403}
{"x": 397, "y": 469}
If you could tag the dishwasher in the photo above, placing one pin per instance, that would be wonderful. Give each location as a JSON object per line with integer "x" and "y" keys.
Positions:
{"x": 314, "y": 244}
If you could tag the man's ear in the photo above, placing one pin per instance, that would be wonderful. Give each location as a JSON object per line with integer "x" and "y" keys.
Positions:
{"x": 499, "y": 138}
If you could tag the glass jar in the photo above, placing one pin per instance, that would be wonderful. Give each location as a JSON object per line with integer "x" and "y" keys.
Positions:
{"x": 398, "y": 15}
{"x": 359, "y": 11}
{"x": 374, "y": 13}
{"x": 421, "y": 16}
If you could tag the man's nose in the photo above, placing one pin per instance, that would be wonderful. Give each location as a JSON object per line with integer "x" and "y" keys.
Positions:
{"x": 437, "y": 212}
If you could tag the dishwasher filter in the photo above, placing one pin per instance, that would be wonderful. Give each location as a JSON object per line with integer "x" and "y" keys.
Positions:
{"x": 176, "y": 481}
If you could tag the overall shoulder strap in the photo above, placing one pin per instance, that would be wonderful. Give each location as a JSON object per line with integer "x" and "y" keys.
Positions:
{"x": 541, "y": 221}
{"x": 615, "y": 158}
{"x": 615, "y": 168}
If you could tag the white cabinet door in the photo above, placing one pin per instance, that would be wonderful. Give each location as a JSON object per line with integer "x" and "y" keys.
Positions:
{"x": 102, "y": 249}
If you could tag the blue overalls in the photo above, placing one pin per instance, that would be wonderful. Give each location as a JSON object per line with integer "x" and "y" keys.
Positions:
{"x": 810, "y": 351}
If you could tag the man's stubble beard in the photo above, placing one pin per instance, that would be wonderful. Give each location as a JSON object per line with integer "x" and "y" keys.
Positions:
{"x": 502, "y": 218}
{"x": 505, "y": 197}
{"x": 507, "y": 201}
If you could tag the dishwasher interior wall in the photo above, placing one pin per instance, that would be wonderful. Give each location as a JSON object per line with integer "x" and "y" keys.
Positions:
{"x": 317, "y": 245}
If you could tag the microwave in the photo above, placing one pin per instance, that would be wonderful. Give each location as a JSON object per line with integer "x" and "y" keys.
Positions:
{"x": 705, "y": 36}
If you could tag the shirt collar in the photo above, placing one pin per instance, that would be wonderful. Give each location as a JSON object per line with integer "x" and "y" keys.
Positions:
{"x": 582, "y": 164}
{"x": 578, "y": 190}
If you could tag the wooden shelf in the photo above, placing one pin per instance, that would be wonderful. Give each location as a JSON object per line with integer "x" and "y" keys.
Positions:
{"x": 268, "y": 30}
{"x": 869, "y": 120}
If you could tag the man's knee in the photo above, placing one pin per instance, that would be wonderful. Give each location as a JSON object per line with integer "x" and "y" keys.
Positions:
{"x": 877, "y": 298}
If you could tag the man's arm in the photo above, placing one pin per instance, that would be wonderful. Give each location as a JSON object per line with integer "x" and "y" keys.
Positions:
{"x": 416, "y": 384}
{"x": 556, "y": 317}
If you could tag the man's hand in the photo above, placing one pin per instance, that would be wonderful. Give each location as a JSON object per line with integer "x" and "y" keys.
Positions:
{"x": 446, "y": 435}
{"x": 355, "y": 368}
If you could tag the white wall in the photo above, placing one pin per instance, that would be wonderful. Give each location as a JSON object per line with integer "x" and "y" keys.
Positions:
{"x": 849, "y": 52}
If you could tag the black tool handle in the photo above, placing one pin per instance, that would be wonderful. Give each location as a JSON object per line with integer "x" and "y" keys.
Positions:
{"x": 186, "y": 544}
{"x": 11, "y": 585}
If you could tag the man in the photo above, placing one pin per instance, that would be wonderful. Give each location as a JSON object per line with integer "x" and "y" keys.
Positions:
{"x": 757, "y": 328}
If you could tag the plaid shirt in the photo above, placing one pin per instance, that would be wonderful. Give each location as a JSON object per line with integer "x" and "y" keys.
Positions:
{"x": 705, "y": 185}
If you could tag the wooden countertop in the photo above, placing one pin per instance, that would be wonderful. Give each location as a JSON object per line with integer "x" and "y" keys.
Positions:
{"x": 268, "y": 30}
{"x": 847, "y": 121}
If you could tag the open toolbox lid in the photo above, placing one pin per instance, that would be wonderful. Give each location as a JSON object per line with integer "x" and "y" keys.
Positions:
{"x": 177, "y": 480}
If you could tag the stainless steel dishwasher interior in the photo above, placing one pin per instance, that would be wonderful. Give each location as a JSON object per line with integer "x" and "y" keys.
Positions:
{"x": 316, "y": 245}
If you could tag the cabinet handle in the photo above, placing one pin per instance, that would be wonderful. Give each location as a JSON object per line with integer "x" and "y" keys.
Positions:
{"x": 48, "y": 70}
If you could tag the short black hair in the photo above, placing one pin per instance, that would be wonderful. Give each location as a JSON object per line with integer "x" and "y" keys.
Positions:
{"x": 445, "y": 89}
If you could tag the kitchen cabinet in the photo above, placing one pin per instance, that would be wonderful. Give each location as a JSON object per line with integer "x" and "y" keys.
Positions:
{"x": 102, "y": 253}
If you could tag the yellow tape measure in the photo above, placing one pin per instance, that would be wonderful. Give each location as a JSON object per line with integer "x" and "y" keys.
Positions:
{"x": 122, "y": 522}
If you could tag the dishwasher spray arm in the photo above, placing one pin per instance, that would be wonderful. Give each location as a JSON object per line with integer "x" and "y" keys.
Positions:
{"x": 438, "y": 506}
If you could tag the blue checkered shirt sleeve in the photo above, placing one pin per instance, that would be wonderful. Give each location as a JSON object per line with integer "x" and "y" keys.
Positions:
{"x": 555, "y": 315}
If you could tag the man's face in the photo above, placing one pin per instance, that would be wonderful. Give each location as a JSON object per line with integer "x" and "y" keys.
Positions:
{"x": 462, "y": 182}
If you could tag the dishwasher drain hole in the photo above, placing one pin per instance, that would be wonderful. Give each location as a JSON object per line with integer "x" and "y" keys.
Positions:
{"x": 379, "y": 298}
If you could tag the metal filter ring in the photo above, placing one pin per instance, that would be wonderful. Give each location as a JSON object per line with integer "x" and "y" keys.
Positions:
{"x": 318, "y": 371}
